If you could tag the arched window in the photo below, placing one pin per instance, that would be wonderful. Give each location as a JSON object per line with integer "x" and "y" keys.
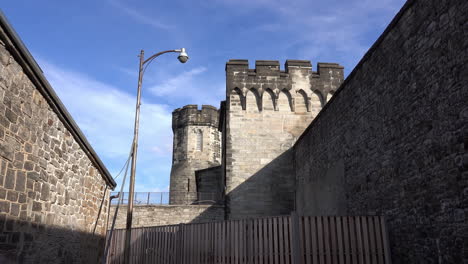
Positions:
{"x": 199, "y": 140}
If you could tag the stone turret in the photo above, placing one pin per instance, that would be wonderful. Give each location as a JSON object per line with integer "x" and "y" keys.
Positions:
{"x": 197, "y": 145}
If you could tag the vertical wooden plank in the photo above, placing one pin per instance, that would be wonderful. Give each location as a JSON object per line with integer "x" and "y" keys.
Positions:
{"x": 266, "y": 251}
{"x": 346, "y": 245}
{"x": 253, "y": 244}
{"x": 320, "y": 235}
{"x": 386, "y": 245}
{"x": 365, "y": 239}
{"x": 339, "y": 239}
{"x": 296, "y": 240}
{"x": 280, "y": 240}
{"x": 326, "y": 239}
{"x": 333, "y": 242}
{"x": 372, "y": 242}
{"x": 313, "y": 240}
{"x": 241, "y": 241}
{"x": 274, "y": 235}
{"x": 307, "y": 240}
{"x": 287, "y": 239}
{"x": 203, "y": 248}
{"x": 259, "y": 224}
{"x": 224, "y": 241}
{"x": 168, "y": 244}
{"x": 199, "y": 242}
{"x": 164, "y": 243}
{"x": 352, "y": 239}
{"x": 301, "y": 238}
{"x": 271, "y": 258}
{"x": 378, "y": 240}
{"x": 190, "y": 254}
{"x": 360, "y": 246}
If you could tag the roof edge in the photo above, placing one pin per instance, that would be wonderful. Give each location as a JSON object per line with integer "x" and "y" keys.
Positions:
{"x": 30, "y": 67}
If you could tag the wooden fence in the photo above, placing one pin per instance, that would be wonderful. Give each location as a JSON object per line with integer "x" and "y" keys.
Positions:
{"x": 285, "y": 239}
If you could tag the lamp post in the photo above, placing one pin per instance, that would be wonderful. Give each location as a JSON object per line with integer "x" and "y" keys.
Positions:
{"x": 183, "y": 57}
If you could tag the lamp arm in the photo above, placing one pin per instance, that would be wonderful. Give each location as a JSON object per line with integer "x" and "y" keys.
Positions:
{"x": 159, "y": 53}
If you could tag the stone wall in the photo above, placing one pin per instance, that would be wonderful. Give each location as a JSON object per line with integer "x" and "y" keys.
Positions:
{"x": 197, "y": 145}
{"x": 209, "y": 184}
{"x": 53, "y": 194}
{"x": 158, "y": 215}
{"x": 393, "y": 140}
{"x": 266, "y": 111}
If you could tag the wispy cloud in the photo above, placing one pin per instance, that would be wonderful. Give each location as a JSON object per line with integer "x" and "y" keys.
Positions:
{"x": 140, "y": 17}
{"x": 335, "y": 30}
{"x": 194, "y": 85}
{"x": 106, "y": 114}
{"x": 171, "y": 85}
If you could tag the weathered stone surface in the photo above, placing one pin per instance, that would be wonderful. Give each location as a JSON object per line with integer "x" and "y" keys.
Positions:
{"x": 266, "y": 111}
{"x": 393, "y": 138}
{"x": 196, "y": 145}
{"x": 157, "y": 215}
{"x": 39, "y": 225}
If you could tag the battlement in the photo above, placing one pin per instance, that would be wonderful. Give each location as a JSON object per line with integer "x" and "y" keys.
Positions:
{"x": 191, "y": 115}
{"x": 273, "y": 66}
{"x": 297, "y": 77}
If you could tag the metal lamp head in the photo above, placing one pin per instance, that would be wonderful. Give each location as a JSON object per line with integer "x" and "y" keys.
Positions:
{"x": 183, "y": 57}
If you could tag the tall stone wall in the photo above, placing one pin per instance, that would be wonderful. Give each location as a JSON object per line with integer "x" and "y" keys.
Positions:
{"x": 53, "y": 197}
{"x": 159, "y": 215}
{"x": 393, "y": 140}
{"x": 197, "y": 145}
{"x": 266, "y": 111}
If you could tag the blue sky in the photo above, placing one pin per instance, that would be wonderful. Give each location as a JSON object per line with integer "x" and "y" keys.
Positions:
{"x": 88, "y": 51}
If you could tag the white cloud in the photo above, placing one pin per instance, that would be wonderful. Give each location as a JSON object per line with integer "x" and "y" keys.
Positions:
{"x": 334, "y": 30}
{"x": 174, "y": 84}
{"x": 106, "y": 116}
{"x": 194, "y": 86}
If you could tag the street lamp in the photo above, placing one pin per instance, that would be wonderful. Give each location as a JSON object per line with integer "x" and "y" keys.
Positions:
{"x": 183, "y": 58}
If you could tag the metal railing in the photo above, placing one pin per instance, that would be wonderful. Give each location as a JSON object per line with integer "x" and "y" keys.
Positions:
{"x": 166, "y": 198}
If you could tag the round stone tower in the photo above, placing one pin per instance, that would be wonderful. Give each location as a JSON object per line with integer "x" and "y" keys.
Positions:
{"x": 197, "y": 145}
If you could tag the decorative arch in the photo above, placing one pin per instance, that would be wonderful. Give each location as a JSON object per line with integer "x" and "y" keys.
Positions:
{"x": 253, "y": 101}
{"x": 316, "y": 101}
{"x": 302, "y": 102}
{"x": 237, "y": 100}
{"x": 285, "y": 103}
{"x": 268, "y": 100}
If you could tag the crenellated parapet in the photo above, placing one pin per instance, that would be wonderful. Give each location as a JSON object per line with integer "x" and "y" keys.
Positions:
{"x": 297, "y": 82}
{"x": 191, "y": 115}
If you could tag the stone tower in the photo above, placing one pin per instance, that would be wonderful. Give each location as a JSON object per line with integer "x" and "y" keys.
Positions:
{"x": 197, "y": 145}
{"x": 266, "y": 111}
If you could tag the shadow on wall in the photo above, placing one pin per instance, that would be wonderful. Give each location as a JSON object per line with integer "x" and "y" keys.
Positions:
{"x": 28, "y": 242}
{"x": 269, "y": 192}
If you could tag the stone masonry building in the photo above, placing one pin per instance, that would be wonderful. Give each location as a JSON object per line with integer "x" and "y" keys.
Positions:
{"x": 391, "y": 141}
{"x": 54, "y": 189}
{"x": 265, "y": 111}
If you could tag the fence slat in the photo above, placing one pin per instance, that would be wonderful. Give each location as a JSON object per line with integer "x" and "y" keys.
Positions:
{"x": 334, "y": 244}
{"x": 360, "y": 245}
{"x": 280, "y": 240}
{"x": 339, "y": 239}
{"x": 346, "y": 246}
{"x": 365, "y": 238}
{"x": 320, "y": 240}
{"x": 287, "y": 239}
{"x": 372, "y": 243}
{"x": 307, "y": 239}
